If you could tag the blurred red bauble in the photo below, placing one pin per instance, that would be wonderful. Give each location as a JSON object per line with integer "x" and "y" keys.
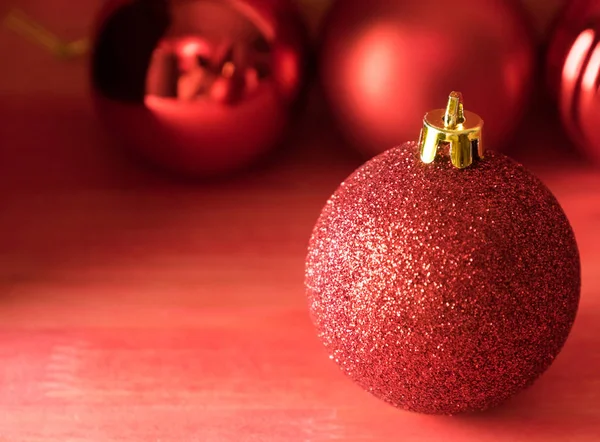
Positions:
{"x": 201, "y": 87}
{"x": 574, "y": 73}
{"x": 382, "y": 57}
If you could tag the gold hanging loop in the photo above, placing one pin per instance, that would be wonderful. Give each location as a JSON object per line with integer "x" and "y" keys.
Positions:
{"x": 452, "y": 131}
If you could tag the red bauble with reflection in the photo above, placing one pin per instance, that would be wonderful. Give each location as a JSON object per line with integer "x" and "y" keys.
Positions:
{"x": 381, "y": 57}
{"x": 201, "y": 87}
{"x": 574, "y": 73}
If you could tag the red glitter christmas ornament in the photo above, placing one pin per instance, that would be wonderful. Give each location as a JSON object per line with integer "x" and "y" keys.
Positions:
{"x": 574, "y": 73}
{"x": 443, "y": 279}
{"x": 379, "y": 55}
{"x": 201, "y": 87}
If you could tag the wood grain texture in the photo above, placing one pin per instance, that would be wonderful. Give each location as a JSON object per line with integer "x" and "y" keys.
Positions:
{"x": 137, "y": 308}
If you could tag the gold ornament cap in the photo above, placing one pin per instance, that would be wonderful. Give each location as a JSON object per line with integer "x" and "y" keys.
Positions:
{"x": 452, "y": 132}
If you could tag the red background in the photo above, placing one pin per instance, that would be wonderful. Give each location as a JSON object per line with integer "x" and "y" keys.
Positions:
{"x": 136, "y": 308}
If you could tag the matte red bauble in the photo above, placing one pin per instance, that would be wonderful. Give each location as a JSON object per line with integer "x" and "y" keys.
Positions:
{"x": 380, "y": 56}
{"x": 442, "y": 278}
{"x": 574, "y": 72}
{"x": 198, "y": 86}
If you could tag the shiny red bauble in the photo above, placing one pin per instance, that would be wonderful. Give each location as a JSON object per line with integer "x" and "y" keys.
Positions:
{"x": 380, "y": 58}
{"x": 574, "y": 73}
{"x": 442, "y": 290}
{"x": 201, "y": 87}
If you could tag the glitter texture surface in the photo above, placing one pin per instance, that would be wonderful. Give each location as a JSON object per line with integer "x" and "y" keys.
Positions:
{"x": 442, "y": 290}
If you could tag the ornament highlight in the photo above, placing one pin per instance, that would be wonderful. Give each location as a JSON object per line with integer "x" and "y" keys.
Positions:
{"x": 574, "y": 71}
{"x": 379, "y": 55}
{"x": 441, "y": 286}
{"x": 201, "y": 87}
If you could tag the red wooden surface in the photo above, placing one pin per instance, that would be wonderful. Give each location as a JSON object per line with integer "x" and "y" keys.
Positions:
{"x": 135, "y": 308}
